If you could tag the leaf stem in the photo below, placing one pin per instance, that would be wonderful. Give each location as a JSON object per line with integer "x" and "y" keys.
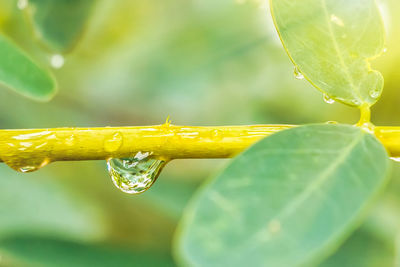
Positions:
{"x": 167, "y": 140}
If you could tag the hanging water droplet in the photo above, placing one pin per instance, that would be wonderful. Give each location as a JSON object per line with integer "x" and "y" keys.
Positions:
{"x": 113, "y": 143}
{"x": 297, "y": 74}
{"x": 18, "y": 152}
{"x": 22, "y": 4}
{"x": 374, "y": 93}
{"x": 328, "y": 100}
{"x": 57, "y": 61}
{"x": 397, "y": 159}
{"x": 137, "y": 174}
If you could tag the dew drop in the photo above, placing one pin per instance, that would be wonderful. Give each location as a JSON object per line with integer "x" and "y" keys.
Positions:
{"x": 297, "y": 74}
{"x": 374, "y": 93}
{"x": 20, "y": 150}
{"x": 136, "y": 174}
{"x": 385, "y": 50}
{"x": 113, "y": 143}
{"x": 368, "y": 127}
{"x": 57, "y": 61}
{"x": 331, "y": 122}
{"x": 22, "y": 4}
{"x": 25, "y": 165}
{"x": 328, "y": 100}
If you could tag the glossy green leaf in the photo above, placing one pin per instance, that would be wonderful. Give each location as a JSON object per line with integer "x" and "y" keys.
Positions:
{"x": 59, "y": 24}
{"x": 22, "y": 74}
{"x": 287, "y": 201}
{"x": 331, "y": 43}
{"x": 39, "y": 251}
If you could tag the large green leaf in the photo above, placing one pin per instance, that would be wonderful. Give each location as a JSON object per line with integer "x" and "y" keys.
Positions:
{"x": 288, "y": 200}
{"x": 22, "y": 74}
{"x": 331, "y": 43}
{"x": 59, "y": 24}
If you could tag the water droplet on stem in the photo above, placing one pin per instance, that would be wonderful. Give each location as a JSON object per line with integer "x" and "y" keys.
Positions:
{"x": 136, "y": 174}
{"x": 113, "y": 142}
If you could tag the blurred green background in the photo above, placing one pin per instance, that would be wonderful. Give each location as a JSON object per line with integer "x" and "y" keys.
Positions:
{"x": 202, "y": 62}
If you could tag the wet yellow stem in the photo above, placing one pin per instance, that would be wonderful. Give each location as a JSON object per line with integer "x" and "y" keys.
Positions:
{"x": 40, "y": 146}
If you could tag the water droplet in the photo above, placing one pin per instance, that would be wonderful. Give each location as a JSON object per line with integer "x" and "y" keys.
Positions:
{"x": 374, "y": 93}
{"x": 385, "y": 50}
{"x": 57, "y": 61}
{"x": 297, "y": 74}
{"x": 368, "y": 127}
{"x": 397, "y": 159}
{"x": 331, "y": 122}
{"x": 18, "y": 152}
{"x": 113, "y": 143}
{"x": 22, "y": 4}
{"x": 136, "y": 174}
{"x": 328, "y": 100}
{"x": 355, "y": 102}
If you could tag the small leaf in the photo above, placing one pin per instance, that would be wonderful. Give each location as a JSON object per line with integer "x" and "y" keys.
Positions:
{"x": 20, "y": 73}
{"x": 287, "y": 201}
{"x": 331, "y": 43}
{"x": 59, "y": 24}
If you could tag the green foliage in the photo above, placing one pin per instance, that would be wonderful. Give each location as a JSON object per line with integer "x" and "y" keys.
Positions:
{"x": 287, "y": 201}
{"x": 331, "y": 42}
{"x": 34, "y": 251}
{"x": 22, "y": 74}
{"x": 59, "y": 24}
{"x": 29, "y": 206}
{"x": 200, "y": 62}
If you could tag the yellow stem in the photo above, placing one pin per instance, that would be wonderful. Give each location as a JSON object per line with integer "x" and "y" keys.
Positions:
{"x": 37, "y": 147}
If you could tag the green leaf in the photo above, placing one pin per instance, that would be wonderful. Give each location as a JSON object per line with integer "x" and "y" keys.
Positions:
{"x": 287, "y": 201}
{"x": 331, "y": 43}
{"x": 22, "y": 74}
{"x": 59, "y": 24}
{"x": 39, "y": 251}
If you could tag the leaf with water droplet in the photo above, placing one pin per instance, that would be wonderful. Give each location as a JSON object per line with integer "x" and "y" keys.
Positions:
{"x": 328, "y": 100}
{"x": 59, "y": 24}
{"x": 22, "y": 74}
{"x": 287, "y": 201}
{"x": 297, "y": 74}
{"x": 332, "y": 42}
{"x": 136, "y": 174}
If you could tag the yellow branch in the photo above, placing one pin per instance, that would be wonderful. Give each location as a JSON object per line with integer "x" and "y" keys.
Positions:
{"x": 25, "y": 149}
